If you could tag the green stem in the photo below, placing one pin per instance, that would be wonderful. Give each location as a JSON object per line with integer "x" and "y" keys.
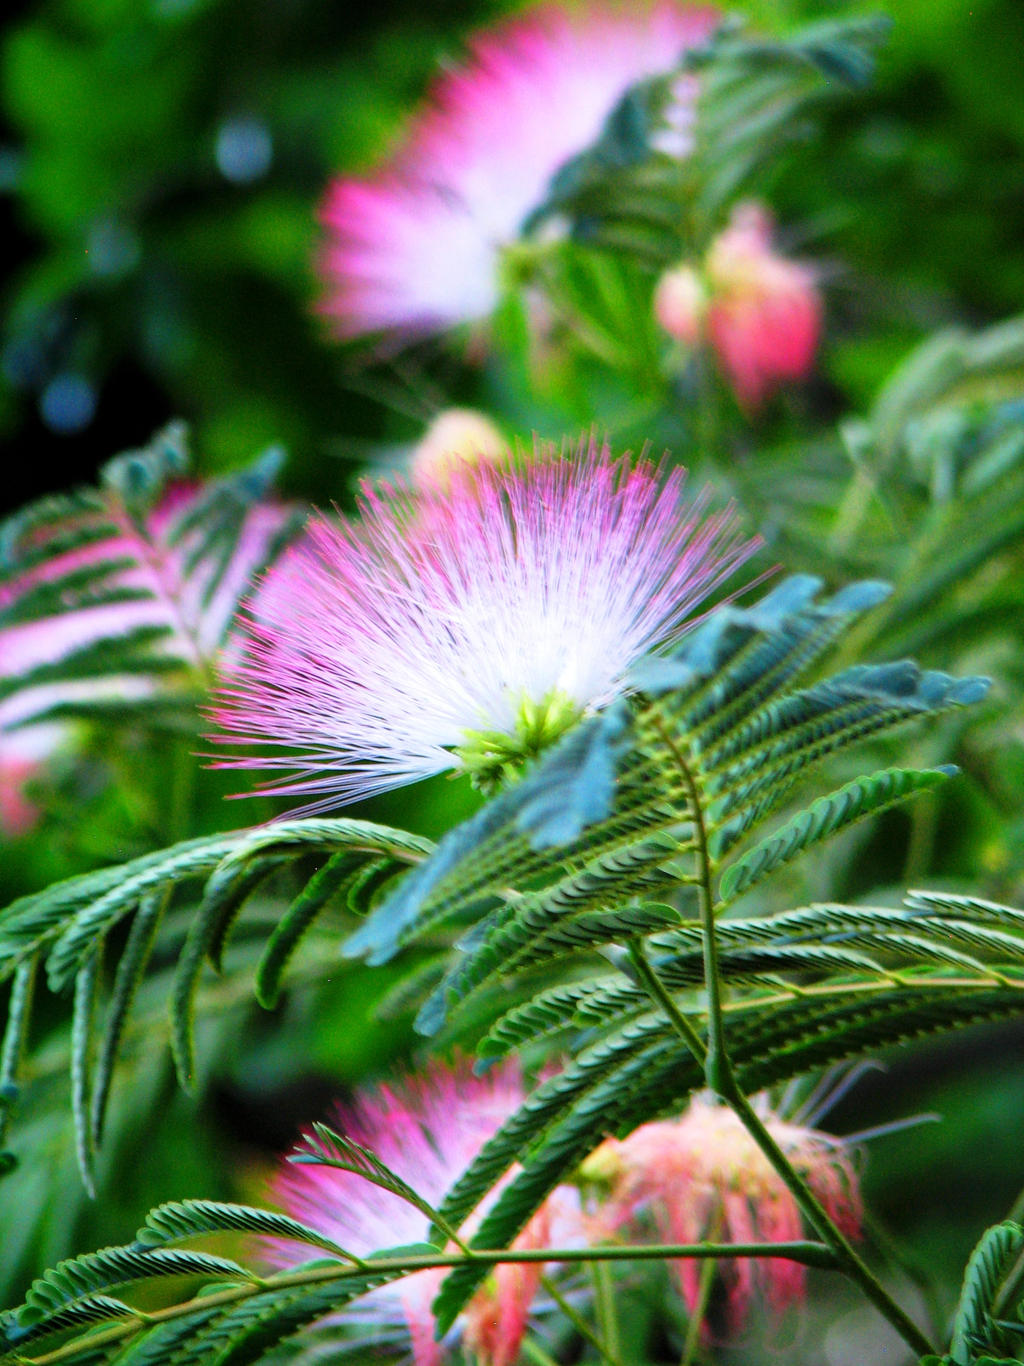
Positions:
{"x": 805, "y": 1252}
{"x": 656, "y": 989}
{"x": 692, "y": 1341}
{"x": 579, "y": 1322}
{"x": 604, "y": 1306}
{"x": 532, "y": 1351}
{"x": 721, "y": 1080}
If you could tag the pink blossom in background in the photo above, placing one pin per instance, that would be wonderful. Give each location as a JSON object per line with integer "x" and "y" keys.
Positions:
{"x": 702, "y": 1178}
{"x": 414, "y": 248}
{"x": 384, "y": 642}
{"x": 761, "y": 312}
{"x": 23, "y": 755}
{"x": 152, "y": 567}
{"x": 427, "y": 1129}
{"x": 764, "y": 311}
{"x": 680, "y": 303}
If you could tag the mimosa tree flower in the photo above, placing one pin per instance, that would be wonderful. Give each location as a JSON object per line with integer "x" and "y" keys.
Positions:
{"x": 427, "y": 1130}
{"x": 414, "y": 248}
{"x": 468, "y": 625}
{"x": 760, "y": 312}
{"x": 703, "y": 1178}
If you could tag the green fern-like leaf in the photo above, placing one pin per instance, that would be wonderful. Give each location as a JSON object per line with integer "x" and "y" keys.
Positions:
{"x": 130, "y": 970}
{"x": 622, "y": 192}
{"x": 715, "y": 739}
{"x": 336, "y": 873}
{"x": 137, "y": 581}
{"x": 646, "y": 1076}
{"x": 248, "y": 1331}
{"x": 326, "y": 1148}
{"x": 562, "y": 916}
{"x": 68, "y": 923}
{"x": 975, "y": 1331}
{"x": 82, "y": 1031}
{"x": 181, "y": 1220}
{"x": 824, "y": 818}
{"x": 82, "y": 1277}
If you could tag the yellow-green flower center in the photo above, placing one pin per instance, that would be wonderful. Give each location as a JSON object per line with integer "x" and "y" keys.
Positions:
{"x": 494, "y": 757}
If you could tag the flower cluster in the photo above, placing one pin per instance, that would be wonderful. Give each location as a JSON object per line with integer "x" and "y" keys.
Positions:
{"x": 700, "y": 1177}
{"x": 468, "y": 623}
{"x": 427, "y": 1130}
{"x": 415, "y": 248}
{"x": 760, "y": 312}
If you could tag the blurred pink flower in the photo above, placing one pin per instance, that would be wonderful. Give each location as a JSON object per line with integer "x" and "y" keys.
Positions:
{"x": 702, "y": 1178}
{"x": 679, "y": 304}
{"x": 414, "y": 248}
{"x": 150, "y": 564}
{"x": 427, "y": 1130}
{"x": 764, "y": 314}
{"x": 503, "y": 605}
{"x": 23, "y": 756}
{"x": 760, "y": 311}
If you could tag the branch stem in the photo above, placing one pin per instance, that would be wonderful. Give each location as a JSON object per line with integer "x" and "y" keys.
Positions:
{"x": 805, "y": 1252}
{"x": 579, "y": 1322}
{"x": 604, "y": 1307}
{"x": 722, "y": 1082}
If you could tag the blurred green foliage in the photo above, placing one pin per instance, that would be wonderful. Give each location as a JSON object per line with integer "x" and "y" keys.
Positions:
{"x": 164, "y": 160}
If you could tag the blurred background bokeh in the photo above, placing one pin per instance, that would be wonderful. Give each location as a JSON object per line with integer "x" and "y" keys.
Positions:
{"x": 161, "y": 163}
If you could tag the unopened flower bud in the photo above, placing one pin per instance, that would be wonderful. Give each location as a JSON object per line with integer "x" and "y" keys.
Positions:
{"x": 764, "y": 312}
{"x": 456, "y": 436}
{"x": 604, "y": 1166}
{"x": 679, "y": 304}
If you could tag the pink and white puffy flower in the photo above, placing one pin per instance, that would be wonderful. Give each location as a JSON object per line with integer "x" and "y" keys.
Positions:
{"x": 414, "y": 248}
{"x": 703, "y": 1178}
{"x": 494, "y": 611}
{"x": 427, "y": 1130}
{"x": 152, "y": 566}
{"x": 760, "y": 311}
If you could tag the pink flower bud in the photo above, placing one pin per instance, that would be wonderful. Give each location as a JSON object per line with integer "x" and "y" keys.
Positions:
{"x": 679, "y": 304}
{"x": 764, "y": 312}
{"x": 456, "y": 436}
